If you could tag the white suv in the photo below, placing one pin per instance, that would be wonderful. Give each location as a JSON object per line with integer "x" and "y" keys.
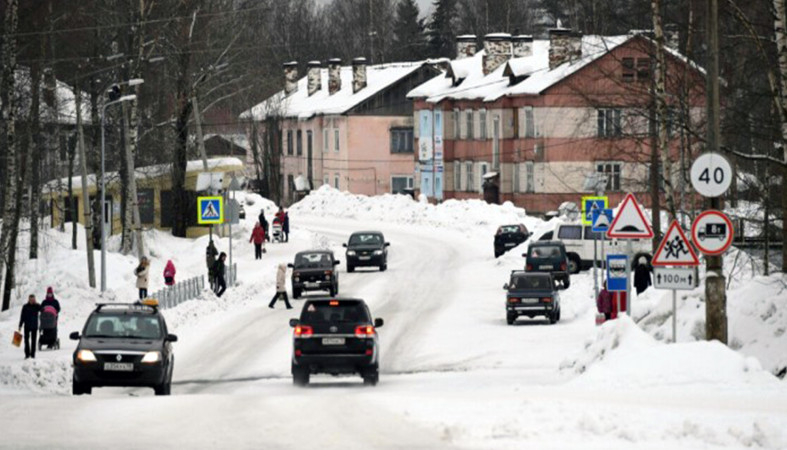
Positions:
{"x": 578, "y": 240}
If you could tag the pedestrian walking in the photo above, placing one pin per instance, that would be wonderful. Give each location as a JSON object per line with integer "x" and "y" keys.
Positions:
{"x": 281, "y": 287}
{"x": 642, "y": 275}
{"x": 50, "y": 300}
{"x": 218, "y": 274}
{"x": 210, "y": 260}
{"x": 141, "y": 272}
{"x": 264, "y": 224}
{"x": 258, "y": 238}
{"x": 169, "y": 273}
{"x": 282, "y": 218}
{"x": 604, "y": 302}
{"x": 29, "y": 320}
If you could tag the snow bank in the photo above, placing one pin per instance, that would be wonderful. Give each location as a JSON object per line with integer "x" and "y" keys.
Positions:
{"x": 622, "y": 352}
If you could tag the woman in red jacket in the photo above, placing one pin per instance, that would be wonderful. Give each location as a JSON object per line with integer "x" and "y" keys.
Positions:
{"x": 169, "y": 273}
{"x": 258, "y": 238}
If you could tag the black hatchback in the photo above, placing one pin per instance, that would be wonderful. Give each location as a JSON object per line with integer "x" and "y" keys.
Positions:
{"x": 314, "y": 270}
{"x": 531, "y": 294}
{"x": 367, "y": 249}
{"x": 550, "y": 257}
{"x": 508, "y": 237}
{"x": 336, "y": 337}
{"x": 123, "y": 345}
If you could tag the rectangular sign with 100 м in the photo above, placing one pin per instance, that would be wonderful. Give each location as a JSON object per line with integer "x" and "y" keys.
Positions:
{"x": 682, "y": 279}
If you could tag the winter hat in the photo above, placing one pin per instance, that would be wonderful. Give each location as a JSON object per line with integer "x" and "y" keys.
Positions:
{"x": 50, "y": 293}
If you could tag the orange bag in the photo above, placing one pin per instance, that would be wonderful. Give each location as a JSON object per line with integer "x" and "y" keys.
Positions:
{"x": 17, "y": 339}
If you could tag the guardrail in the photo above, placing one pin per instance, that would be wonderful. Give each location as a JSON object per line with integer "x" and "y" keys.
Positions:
{"x": 172, "y": 296}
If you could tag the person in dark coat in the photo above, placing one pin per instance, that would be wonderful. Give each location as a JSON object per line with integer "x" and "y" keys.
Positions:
{"x": 285, "y": 227}
{"x": 218, "y": 273}
{"x": 210, "y": 261}
{"x": 604, "y": 302}
{"x": 29, "y": 320}
{"x": 264, "y": 224}
{"x": 50, "y": 300}
{"x": 642, "y": 276}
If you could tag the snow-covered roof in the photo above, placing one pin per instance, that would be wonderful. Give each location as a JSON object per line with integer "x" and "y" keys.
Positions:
{"x": 238, "y": 139}
{"x": 303, "y": 106}
{"x": 465, "y": 78}
{"x": 66, "y": 101}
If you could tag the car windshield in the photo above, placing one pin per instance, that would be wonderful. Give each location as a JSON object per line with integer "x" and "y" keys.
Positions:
{"x": 130, "y": 326}
{"x": 325, "y": 312}
{"x": 546, "y": 251}
{"x": 312, "y": 260}
{"x": 531, "y": 282}
{"x": 508, "y": 229}
{"x": 366, "y": 239}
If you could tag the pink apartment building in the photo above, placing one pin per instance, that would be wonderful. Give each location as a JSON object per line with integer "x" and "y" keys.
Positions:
{"x": 350, "y": 127}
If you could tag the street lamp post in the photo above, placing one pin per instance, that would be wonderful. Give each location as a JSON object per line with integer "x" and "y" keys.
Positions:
{"x": 122, "y": 99}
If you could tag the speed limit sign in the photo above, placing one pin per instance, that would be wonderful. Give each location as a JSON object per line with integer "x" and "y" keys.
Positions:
{"x": 711, "y": 175}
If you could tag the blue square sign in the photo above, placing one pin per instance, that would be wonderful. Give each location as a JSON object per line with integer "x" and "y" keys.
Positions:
{"x": 602, "y": 218}
{"x": 616, "y": 272}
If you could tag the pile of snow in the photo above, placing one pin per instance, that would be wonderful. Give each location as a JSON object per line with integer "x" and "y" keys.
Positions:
{"x": 621, "y": 351}
{"x": 402, "y": 209}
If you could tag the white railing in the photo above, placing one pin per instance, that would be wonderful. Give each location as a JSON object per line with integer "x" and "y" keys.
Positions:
{"x": 172, "y": 296}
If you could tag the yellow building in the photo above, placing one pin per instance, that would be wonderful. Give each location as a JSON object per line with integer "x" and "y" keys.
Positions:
{"x": 154, "y": 194}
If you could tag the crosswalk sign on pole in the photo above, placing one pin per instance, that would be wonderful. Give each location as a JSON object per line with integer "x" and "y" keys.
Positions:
{"x": 210, "y": 210}
{"x": 674, "y": 249}
{"x": 590, "y": 204}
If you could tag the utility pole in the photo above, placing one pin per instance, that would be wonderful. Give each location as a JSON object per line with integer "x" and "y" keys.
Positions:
{"x": 132, "y": 183}
{"x": 715, "y": 294}
{"x": 88, "y": 213}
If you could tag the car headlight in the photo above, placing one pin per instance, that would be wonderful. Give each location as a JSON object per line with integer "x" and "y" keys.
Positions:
{"x": 378, "y": 252}
{"x": 151, "y": 357}
{"x": 350, "y": 252}
{"x": 86, "y": 356}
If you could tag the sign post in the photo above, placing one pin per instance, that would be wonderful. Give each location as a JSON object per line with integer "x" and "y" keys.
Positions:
{"x": 601, "y": 219}
{"x": 618, "y": 277}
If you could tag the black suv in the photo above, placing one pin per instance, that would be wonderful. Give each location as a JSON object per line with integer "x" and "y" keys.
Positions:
{"x": 367, "y": 248}
{"x": 508, "y": 237}
{"x": 314, "y": 270}
{"x": 335, "y": 336}
{"x": 550, "y": 257}
{"x": 124, "y": 345}
{"x": 531, "y": 294}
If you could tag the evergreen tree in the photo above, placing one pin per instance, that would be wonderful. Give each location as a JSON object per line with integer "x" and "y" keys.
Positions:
{"x": 409, "y": 39}
{"x": 441, "y": 29}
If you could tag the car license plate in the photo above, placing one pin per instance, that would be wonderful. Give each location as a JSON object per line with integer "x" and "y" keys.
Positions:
{"x": 510, "y": 244}
{"x": 364, "y": 258}
{"x": 545, "y": 266}
{"x": 529, "y": 301}
{"x": 332, "y": 341}
{"x": 312, "y": 284}
{"x": 119, "y": 367}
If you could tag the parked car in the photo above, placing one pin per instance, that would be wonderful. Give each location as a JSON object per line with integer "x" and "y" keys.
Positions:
{"x": 314, "y": 270}
{"x": 365, "y": 249}
{"x": 124, "y": 344}
{"x": 549, "y": 257}
{"x": 335, "y": 336}
{"x": 531, "y": 294}
{"x": 578, "y": 240}
{"x": 508, "y": 237}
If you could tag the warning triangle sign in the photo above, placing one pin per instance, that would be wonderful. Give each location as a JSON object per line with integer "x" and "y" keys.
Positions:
{"x": 674, "y": 249}
{"x": 210, "y": 211}
{"x": 630, "y": 222}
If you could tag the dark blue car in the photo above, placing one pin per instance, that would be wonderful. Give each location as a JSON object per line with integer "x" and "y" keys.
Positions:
{"x": 532, "y": 294}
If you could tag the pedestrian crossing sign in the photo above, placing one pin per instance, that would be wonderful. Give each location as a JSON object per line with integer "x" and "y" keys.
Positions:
{"x": 210, "y": 210}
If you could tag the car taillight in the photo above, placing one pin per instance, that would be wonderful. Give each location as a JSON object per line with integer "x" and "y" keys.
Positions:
{"x": 303, "y": 331}
{"x": 513, "y": 300}
{"x": 369, "y": 352}
{"x": 529, "y": 267}
{"x": 328, "y": 272}
{"x": 546, "y": 299}
{"x": 364, "y": 331}
{"x": 298, "y": 353}
{"x": 563, "y": 266}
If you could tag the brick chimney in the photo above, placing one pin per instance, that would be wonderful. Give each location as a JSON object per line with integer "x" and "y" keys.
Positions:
{"x": 523, "y": 46}
{"x": 313, "y": 77}
{"x": 564, "y": 46}
{"x": 290, "y": 77}
{"x": 671, "y": 36}
{"x": 359, "y": 74}
{"x": 497, "y": 50}
{"x": 465, "y": 46}
{"x": 334, "y": 75}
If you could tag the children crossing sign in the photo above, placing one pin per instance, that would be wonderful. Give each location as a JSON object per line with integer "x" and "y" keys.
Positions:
{"x": 675, "y": 249}
{"x": 210, "y": 210}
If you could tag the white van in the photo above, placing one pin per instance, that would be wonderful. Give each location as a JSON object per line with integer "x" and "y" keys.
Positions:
{"x": 578, "y": 240}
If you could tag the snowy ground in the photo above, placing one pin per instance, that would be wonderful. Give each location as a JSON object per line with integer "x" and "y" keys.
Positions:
{"x": 453, "y": 373}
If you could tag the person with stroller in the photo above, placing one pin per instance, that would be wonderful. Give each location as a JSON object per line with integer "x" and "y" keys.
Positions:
{"x": 29, "y": 319}
{"x": 283, "y": 220}
{"x": 141, "y": 272}
{"x": 210, "y": 260}
{"x": 169, "y": 273}
{"x": 258, "y": 238}
{"x": 50, "y": 300}
{"x": 218, "y": 275}
{"x": 281, "y": 286}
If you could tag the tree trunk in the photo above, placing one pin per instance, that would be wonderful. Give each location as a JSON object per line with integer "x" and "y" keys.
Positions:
{"x": 661, "y": 108}
{"x": 131, "y": 221}
{"x": 9, "y": 117}
{"x": 180, "y": 155}
{"x": 780, "y": 17}
{"x": 91, "y": 268}
{"x": 35, "y": 158}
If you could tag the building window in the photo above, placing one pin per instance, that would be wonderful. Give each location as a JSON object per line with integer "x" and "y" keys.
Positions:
{"x": 326, "y": 141}
{"x": 516, "y": 178}
{"x": 530, "y": 177}
{"x": 401, "y": 140}
{"x": 291, "y": 183}
{"x": 336, "y": 140}
{"x": 299, "y": 145}
{"x": 457, "y": 176}
{"x": 612, "y": 171}
{"x": 455, "y": 119}
{"x": 482, "y": 120}
{"x": 309, "y": 146}
{"x": 401, "y": 182}
{"x": 643, "y": 69}
{"x": 470, "y": 124}
{"x": 483, "y": 168}
{"x": 636, "y": 69}
{"x": 496, "y": 143}
{"x": 609, "y": 122}
{"x": 325, "y": 180}
{"x": 336, "y": 180}
{"x": 629, "y": 71}
{"x": 289, "y": 142}
{"x": 469, "y": 180}
{"x": 530, "y": 124}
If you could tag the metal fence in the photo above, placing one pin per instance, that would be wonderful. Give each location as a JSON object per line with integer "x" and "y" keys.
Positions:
{"x": 172, "y": 296}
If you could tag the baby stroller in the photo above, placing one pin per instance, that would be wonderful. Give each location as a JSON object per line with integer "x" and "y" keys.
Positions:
{"x": 48, "y": 321}
{"x": 276, "y": 231}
